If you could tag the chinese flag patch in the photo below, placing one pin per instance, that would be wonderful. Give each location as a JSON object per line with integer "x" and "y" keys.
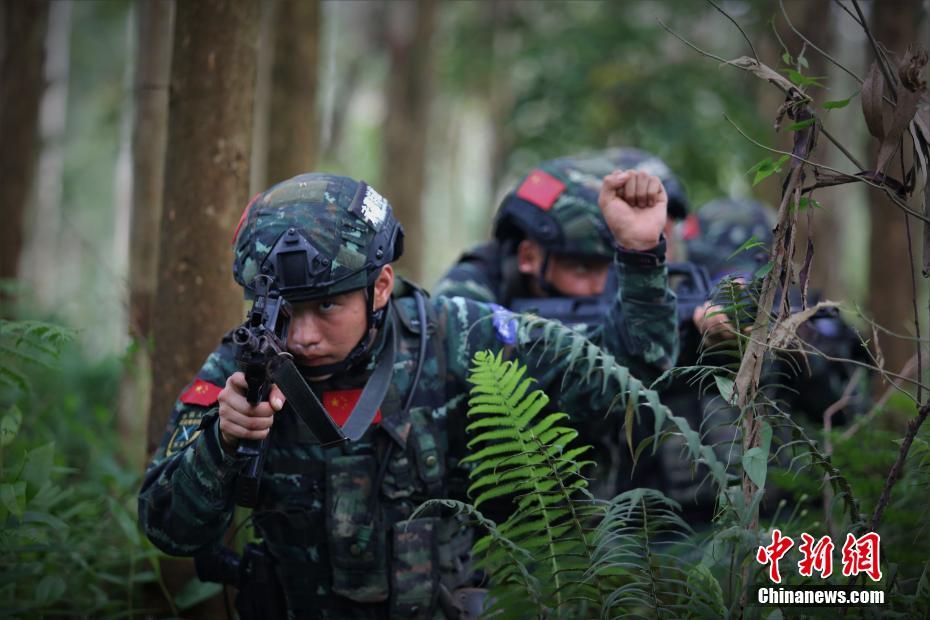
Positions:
{"x": 339, "y": 404}
{"x": 245, "y": 212}
{"x": 690, "y": 228}
{"x": 201, "y": 393}
{"x": 541, "y": 189}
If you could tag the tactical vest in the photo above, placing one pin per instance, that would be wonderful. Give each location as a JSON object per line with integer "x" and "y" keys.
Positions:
{"x": 362, "y": 495}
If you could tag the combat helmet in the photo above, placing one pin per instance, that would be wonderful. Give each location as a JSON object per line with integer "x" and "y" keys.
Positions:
{"x": 723, "y": 226}
{"x": 318, "y": 235}
{"x": 555, "y": 204}
{"x": 604, "y": 162}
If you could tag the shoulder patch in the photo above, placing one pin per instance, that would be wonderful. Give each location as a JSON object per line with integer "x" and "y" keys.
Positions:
{"x": 201, "y": 393}
{"x": 690, "y": 228}
{"x": 541, "y": 189}
{"x": 505, "y": 324}
{"x": 339, "y": 404}
{"x": 186, "y": 431}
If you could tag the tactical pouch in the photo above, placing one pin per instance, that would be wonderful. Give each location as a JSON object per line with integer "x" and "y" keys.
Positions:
{"x": 429, "y": 457}
{"x": 357, "y": 544}
{"x": 414, "y": 569}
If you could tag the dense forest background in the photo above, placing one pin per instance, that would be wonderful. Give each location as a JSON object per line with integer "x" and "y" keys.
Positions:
{"x": 136, "y": 132}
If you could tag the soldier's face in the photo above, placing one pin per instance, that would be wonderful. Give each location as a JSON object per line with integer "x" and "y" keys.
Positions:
{"x": 324, "y": 331}
{"x": 573, "y": 276}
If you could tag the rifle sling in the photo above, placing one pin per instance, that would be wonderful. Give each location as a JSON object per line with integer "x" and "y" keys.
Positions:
{"x": 310, "y": 410}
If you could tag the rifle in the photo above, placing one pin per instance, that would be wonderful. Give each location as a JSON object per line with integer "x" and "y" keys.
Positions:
{"x": 690, "y": 281}
{"x": 571, "y": 311}
{"x": 260, "y": 344}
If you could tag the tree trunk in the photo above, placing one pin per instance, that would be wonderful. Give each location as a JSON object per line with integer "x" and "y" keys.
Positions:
{"x": 22, "y": 64}
{"x": 410, "y": 27}
{"x": 206, "y": 188}
{"x": 153, "y": 28}
{"x": 890, "y": 275}
{"x": 40, "y": 268}
{"x": 261, "y": 106}
{"x": 293, "y": 129}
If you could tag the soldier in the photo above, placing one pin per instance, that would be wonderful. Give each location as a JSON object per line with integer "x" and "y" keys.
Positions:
{"x": 713, "y": 238}
{"x": 337, "y": 537}
{"x": 552, "y": 254}
{"x": 550, "y": 239}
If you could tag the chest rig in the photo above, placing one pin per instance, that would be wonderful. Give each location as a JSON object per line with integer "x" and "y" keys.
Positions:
{"x": 337, "y": 521}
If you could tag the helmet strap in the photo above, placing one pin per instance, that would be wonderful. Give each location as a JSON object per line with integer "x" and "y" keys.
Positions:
{"x": 547, "y": 287}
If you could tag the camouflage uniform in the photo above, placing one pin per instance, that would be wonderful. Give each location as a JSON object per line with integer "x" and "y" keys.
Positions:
{"x": 488, "y": 273}
{"x": 712, "y": 238}
{"x": 342, "y": 547}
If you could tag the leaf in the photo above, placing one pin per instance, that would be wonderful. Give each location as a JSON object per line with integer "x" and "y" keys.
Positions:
{"x": 9, "y": 425}
{"x": 754, "y": 463}
{"x": 13, "y": 497}
{"x": 799, "y": 79}
{"x": 763, "y": 71}
{"x": 806, "y": 202}
{"x": 903, "y": 113}
{"x": 50, "y": 589}
{"x": 38, "y": 467}
{"x": 628, "y": 424}
{"x": 872, "y": 105}
{"x": 725, "y": 387}
{"x": 766, "y": 168}
{"x": 807, "y": 122}
{"x": 836, "y": 104}
{"x": 764, "y": 270}
{"x": 786, "y": 57}
{"x": 765, "y": 436}
{"x": 803, "y": 62}
{"x": 749, "y": 244}
{"x": 705, "y": 587}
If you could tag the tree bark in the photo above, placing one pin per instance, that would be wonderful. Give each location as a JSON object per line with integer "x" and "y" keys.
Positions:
{"x": 39, "y": 268}
{"x": 153, "y": 23}
{"x": 206, "y": 187}
{"x": 293, "y": 128}
{"x": 890, "y": 283}
{"x": 410, "y": 27}
{"x": 22, "y": 64}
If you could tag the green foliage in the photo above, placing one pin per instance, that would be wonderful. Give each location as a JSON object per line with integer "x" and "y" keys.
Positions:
{"x": 69, "y": 544}
{"x": 638, "y": 550}
{"x": 560, "y": 553}
{"x": 521, "y": 452}
{"x": 766, "y": 168}
{"x": 577, "y": 76}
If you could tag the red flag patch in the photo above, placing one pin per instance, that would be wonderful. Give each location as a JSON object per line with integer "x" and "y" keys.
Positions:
{"x": 690, "y": 228}
{"x": 339, "y": 404}
{"x": 245, "y": 212}
{"x": 541, "y": 189}
{"x": 201, "y": 393}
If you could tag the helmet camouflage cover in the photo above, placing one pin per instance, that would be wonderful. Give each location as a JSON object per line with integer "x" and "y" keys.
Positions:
{"x": 556, "y": 203}
{"x": 722, "y": 227}
{"x": 316, "y": 235}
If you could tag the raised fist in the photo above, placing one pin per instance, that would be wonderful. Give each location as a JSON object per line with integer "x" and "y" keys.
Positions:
{"x": 634, "y": 204}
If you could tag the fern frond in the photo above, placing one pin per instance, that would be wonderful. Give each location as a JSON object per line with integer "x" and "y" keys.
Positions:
{"x": 521, "y": 451}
